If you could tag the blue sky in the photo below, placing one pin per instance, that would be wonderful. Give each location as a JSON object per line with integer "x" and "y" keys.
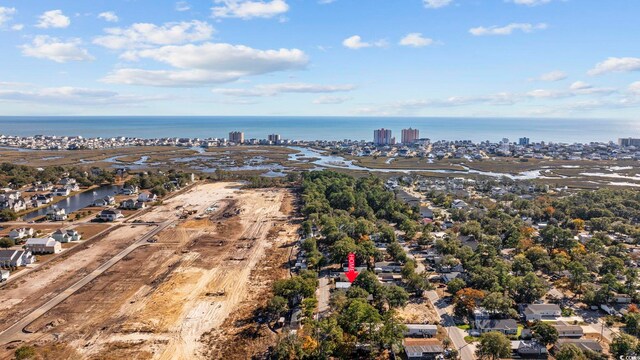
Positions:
{"x": 512, "y": 58}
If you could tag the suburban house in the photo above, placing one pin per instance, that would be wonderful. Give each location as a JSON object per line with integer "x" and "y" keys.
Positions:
{"x": 110, "y": 215}
{"x": 56, "y": 214}
{"x": 65, "y": 236}
{"x": 621, "y": 298}
{"x": 146, "y": 196}
{"x": 21, "y": 233}
{"x": 421, "y": 330}
{"x": 15, "y": 258}
{"x": 582, "y": 344}
{"x": 74, "y": 235}
{"x": 505, "y": 326}
{"x": 67, "y": 181}
{"x": 569, "y": 331}
{"x": 422, "y": 349}
{"x": 60, "y": 236}
{"x": 541, "y": 312}
{"x": 132, "y": 205}
{"x": 43, "y": 246}
{"x": 448, "y": 277}
{"x": 10, "y": 203}
{"x": 383, "y": 266}
{"x": 529, "y": 350}
{"x": 459, "y": 204}
{"x": 41, "y": 199}
{"x": 61, "y": 192}
{"x": 129, "y": 190}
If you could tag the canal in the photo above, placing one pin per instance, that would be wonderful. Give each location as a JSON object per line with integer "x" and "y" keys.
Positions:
{"x": 77, "y": 201}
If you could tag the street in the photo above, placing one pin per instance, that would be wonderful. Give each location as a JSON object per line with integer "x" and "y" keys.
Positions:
{"x": 465, "y": 350}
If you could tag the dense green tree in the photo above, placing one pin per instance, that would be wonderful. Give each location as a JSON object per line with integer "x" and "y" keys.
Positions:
{"x": 569, "y": 352}
{"x": 493, "y": 346}
{"x": 545, "y": 333}
{"x": 623, "y": 345}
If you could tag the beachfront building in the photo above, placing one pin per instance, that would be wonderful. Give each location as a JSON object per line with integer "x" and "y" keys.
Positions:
{"x": 236, "y": 137}
{"x": 410, "y": 136}
{"x": 625, "y": 142}
{"x": 274, "y": 138}
{"x": 383, "y": 137}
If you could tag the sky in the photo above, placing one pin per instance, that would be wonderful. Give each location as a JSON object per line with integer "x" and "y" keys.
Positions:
{"x": 470, "y": 58}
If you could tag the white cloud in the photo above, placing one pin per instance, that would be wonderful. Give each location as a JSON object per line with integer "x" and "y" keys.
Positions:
{"x": 635, "y": 87}
{"x": 507, "y": 29}
{"x": 580, "y": 85}
{"x": 53, "y": 19}
{"x": 530, "y": 2}
{"x": 614, "y": 64}
{"x": 355, "y": 42}
{"x": 47, "y": 47}
{"x": 577, "y": 88}
{"x": 141, "y": 35}
{"x": 183, "y": 6}
{"x": 109, "y": 16}
{"x": 17, "y": 27}
{"x": 324, "y": 2}
{"x": 329, "y": 100}
{"x": 248, "y": 9}
{"x": 75, "y": 96}
{"x": 276, "y": 89}
{"x": 6, "y": 14}
{"x": 552, "y": 76}
{"x": 208, "y": 63}
{"x": 415, "y": 40}
{"x": 436, "y": 4}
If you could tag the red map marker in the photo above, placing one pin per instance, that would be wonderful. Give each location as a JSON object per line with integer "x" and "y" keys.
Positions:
{"x": 351, "y": 274}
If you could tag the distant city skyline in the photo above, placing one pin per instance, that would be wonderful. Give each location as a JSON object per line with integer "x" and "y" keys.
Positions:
{"x": 494, "y": 58}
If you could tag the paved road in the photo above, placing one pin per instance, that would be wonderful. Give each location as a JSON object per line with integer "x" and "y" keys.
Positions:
{"x": 465, "y": 350}
{"x": 16, "y": 331}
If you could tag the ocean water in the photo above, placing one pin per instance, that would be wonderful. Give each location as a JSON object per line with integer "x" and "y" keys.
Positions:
{"x": 324, "y": 128}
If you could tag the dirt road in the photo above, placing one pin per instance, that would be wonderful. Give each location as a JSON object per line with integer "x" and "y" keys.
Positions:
{"x": 158, "y": 301}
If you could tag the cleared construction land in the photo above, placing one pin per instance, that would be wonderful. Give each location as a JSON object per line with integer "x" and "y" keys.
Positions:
{"x": 176, "y": 297}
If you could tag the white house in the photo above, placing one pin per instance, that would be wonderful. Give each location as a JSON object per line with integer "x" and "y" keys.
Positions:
{"x": 541, "y": 311}
{"x": 15, "y": 258}
{"x": 21, "y": 233}
{"x": 61, "y": 236}
{"x": 43, "y": 246}
{"x": 424, "y": 330}
{"x": 110, "y": 215}
{"x": 4, "y": 275}
{"x": 74, "y": 235}
{"x": 61, "y": 192}
{"x": 56, "y": 214}
{"x": 146, "y": 196}
{"x": 67, "y": 181}
{"x": 129, "y": 190}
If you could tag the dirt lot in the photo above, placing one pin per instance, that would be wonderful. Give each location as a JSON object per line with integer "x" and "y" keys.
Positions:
{"x": 36, "y": 287}
{"x": 166, "y": 299}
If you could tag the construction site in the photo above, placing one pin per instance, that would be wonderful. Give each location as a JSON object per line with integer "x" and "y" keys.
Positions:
{"x": 180, "y": 280}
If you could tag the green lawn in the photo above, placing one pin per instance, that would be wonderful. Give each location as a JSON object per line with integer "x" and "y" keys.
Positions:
{"x": 464, "y": 327}
{"x": 469, "y": 339}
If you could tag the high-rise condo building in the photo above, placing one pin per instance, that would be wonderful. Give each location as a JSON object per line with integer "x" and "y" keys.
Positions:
{"x": 524, "y": 141}
{"x": 629, "y": 142}
{"x": 383, "y": 137}
{"x": 409, "y": 136}
{"x": 274, "y": 138}
{"x": 236, "y": 137}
